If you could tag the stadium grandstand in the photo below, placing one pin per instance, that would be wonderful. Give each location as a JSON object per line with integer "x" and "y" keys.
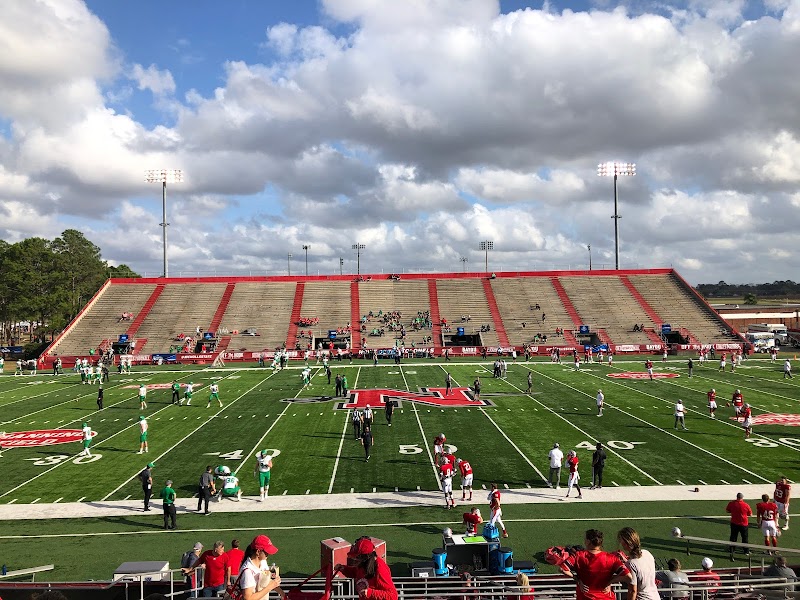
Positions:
{"x": 199, "y": 320}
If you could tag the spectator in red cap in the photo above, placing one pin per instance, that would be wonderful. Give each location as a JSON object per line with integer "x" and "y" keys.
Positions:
{"x": 256, "y": 580}
{"x": 372, "y": 574}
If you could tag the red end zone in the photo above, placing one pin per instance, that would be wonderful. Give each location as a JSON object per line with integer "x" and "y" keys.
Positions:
{"x": 774, "y": 419}
{"x": 642, "y": 375}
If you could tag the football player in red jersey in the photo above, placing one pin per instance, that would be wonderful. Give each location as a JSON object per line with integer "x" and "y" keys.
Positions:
{"x": 572, "y": 463}
{"x": 448, "y": 457}
{"x": 648, "y": 364}
{"x": 738, "y": 401}
{"x": 712, "y": 403}
{"x": 466, "y": 478}
{"x": 782, "y": 494}
{"x": 446, "y": 475}
{"x": 747, "y": 422}
{"x": 471, "y": 521}
{"x": 767, "y": 519}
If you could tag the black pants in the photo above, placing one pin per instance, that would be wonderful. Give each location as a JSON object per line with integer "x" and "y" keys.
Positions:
{"x": 389, "y": 418}
{"x": 204, "y": 497}
{"x": 169, "y": 516}
{"x": 357, "y": 429}
{"x": 338, "y": 389}
{"x": 100, "y": 403}
{"x": 176, "y": 397}
{"x": 737, "y": 530}
{"x": 367, "y": 448}
{"x": 148, "y": 492}
{"x": 597, "y": 475}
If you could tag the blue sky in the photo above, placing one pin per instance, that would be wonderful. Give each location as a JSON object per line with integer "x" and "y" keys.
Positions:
{"x": 414, "y": 127}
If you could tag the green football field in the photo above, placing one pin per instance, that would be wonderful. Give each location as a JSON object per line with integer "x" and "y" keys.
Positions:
{"x": 506, "y": 440}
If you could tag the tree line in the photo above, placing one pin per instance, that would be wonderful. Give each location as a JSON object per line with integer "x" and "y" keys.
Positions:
{"x": 48, "y": 282}
{"x": 750, "y": 292}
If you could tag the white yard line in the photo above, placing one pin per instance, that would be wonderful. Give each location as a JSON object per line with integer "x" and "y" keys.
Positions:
{"x": 424, "y": 438}
{"x": 339, "y": 451}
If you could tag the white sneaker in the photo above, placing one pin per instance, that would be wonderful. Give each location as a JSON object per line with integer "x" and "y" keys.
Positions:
{"x": 785, "y": 527}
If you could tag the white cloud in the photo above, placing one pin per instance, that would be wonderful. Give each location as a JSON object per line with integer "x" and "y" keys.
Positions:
{"x": 159, "y": 82}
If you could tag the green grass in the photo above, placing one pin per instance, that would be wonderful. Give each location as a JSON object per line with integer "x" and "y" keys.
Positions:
{"x": 506, "y": 442}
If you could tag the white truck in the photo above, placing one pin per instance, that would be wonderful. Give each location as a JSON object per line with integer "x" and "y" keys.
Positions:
{"x": 763, "y": 341}
{"x": 778, "y": 330}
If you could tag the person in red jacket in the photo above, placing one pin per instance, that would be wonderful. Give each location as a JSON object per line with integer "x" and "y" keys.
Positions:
{"x": 594, "y": 570}
{"x": 371, "y": 573}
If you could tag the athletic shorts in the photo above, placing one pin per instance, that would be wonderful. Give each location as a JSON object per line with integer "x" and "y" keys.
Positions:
{"x": 769, "y": 529}
{"x": 573, "y": 478}
{"x": 230, "y": 491}
{"x": 747, "y": 423}
{"x": 447, "y": 485}
{"x": 263, "y": 478}
{"x": 86, "y": 443}
{"x": 783, "y": 508}
{"x": 466, "y": 481}
{"x": 438, "y": 449}
{"x": 143, "y": 437}
{"x": 712, "y": 405}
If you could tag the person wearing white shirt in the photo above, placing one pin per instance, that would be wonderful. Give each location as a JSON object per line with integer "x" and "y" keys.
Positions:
{"x": 556, "y": 457}
{"x": 680, "y": 413}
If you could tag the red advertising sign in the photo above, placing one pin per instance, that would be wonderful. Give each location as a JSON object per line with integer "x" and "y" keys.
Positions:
{"x": 642, "y": 375}
{"x": 43, "y": 437}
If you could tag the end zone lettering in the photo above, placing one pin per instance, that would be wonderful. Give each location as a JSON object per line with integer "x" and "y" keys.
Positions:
{"x": 459, "y": 396}
{"x": 45, "y": 437}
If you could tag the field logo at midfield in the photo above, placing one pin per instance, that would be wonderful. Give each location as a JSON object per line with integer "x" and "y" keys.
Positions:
{"x": 377, "y": 398}
{"x": 642, "y": 375}
{"x": 44, "y": 437}
{"x": 775, "y": 419}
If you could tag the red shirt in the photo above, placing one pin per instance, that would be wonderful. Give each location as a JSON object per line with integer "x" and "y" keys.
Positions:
{"x": 450, "y": 458}
{"x": 381, "y": 587}
{"x": 233, "y": 560}
{"x": 738, "y": 399}
{"x": 439, "y": 440}
{"x": 766, "y": 511}
{"x": 740, "y": 512}
{"x": 573, "y": 464}
{"x": 471, "y": 521}
{"x": 215, "y": 568}
{"x": 782, "y": 492}
{"x": 648, "y": 364}
{"x": 712, "y": 396}
{"x": 494, "y": 498}
{"x": 447, "y": 470}
{"x": 746, "y": 413}
{"x": 465, "y": 468}
{"x": 595, "y": 571}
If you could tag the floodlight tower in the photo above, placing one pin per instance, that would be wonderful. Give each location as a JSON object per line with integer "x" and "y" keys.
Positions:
{"x": 306, "y": 247}
{"x": 289, "y": 263}
{"x": 358, "y": 248}
{"x": 464, "y": 260}
{"x": 164, "y": 176}
{"x": 616, "y": 169}
{"x": 486, "y": 246}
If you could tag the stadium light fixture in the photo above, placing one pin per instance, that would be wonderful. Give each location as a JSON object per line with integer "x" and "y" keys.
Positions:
{"x": 358, "y": 248}
{"x": 164, "y": 176}
{"x": 289, "y": 263}
{"x": 616, "y": 169}
{"x": 589, "y": 247}
{"x": 486, "y": 246}
{"x": 464, "y": 260}
{"x": 341, "y": 266}
{"x": 306, "y": 247}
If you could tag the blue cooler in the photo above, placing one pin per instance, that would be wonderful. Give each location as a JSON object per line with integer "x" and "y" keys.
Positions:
{"x": 506, "y": 561}
{"x": 440, "y": 562}
{"x": 490, "y": 532}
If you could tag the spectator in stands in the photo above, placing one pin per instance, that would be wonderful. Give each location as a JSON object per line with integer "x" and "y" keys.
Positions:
{"x": 187, "y": 560}
{"x": 523, "y": 590}
{"x": 233, "y": 561}
{"x": 214, "y": 562}
{"x": 255, "y": 571}
{"x": 641, "y": 563}
{"x": 594, "y": 570}
{"x": 707, "y": 578}
{"x": 370, "y": 572}
{"x": 778, "y": 568}
{"x": 674, "y": 581}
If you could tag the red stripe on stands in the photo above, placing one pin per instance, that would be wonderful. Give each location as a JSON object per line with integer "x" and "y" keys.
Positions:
{"x": 355, "y": 317}
{"x": 297, "y": 307}
{"x": 137, "y": 322}
{"x": 436, "y": 319}
{"x": 223, "y": 306}
{"x": 499, "y": 328}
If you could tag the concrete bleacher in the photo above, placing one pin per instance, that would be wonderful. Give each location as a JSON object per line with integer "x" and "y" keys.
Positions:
{"x": 466, "y": 297}
{"x": 680, "y": 308}
{"x": 604, "y": 302}
{"x": 407, "y": 296}
{"x": 181, "y": 308}
{"x": 516, "y": 296}
{"x": 328, "y": 301}
{"x": 263, "y": 306}
{"x": 102, "y": 320}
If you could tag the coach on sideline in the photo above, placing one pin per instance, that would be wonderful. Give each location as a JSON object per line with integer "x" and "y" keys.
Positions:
{"x": 740, "y": 519}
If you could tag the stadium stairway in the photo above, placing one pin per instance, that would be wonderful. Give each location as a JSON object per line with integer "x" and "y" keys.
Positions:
{"x": 604, "y": 337}
{"x": 654, "y": 316}
{"x": 436, "y": 318}
{"x": 223, "y": 306}
{"x": 568, "y": 306}
{"x": 499, "y": 328}
{"x": 297, "y": 307}
{"x": 355, "y": 316}
{"x": 654, "y": 337}
{"x": 137, "y": 322}
{"x": 223, "y": 343}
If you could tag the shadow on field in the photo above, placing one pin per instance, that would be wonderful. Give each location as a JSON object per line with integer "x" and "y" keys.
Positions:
{"x": 137, "y": 523}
